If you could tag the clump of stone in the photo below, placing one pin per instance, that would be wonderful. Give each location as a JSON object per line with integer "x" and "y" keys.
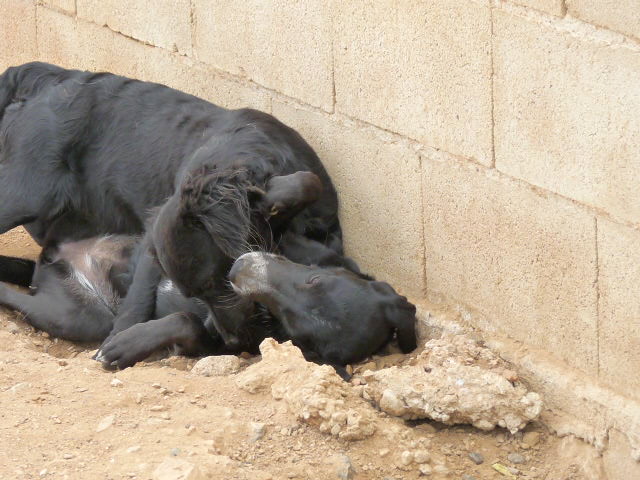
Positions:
{"x": 315, "y": 394}
{"x": 455, "y": 380}
{"x": 217, "y": 366}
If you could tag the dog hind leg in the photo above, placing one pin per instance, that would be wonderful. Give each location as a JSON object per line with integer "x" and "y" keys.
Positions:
{"x": 54, "y": 313}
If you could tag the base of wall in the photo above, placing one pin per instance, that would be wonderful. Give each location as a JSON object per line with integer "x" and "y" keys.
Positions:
{"x": 575, "y": 405}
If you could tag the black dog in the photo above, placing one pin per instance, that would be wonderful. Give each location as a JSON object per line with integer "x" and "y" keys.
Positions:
{"x": 85, "y": 154}
{"x": 335, "y": 316}
{"x": 76, "y": 291}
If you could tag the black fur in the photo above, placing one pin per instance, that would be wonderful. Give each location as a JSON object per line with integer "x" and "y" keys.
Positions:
{"x": 335, "y": 316}
{"x": 85, "y": 154}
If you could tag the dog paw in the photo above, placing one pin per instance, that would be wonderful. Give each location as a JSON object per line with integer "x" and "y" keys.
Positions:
{"x": 125, "y": 349}
{"x": 98, "y": 356}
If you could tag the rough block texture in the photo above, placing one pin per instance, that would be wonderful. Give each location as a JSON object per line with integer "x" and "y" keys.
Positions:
{"x": 619, "y": 268}
{"x": 68, "y": 6}
{"x": 80, "y": 44}
{"x": 554, "y": 7}
{"x": 620, "y": 15}
{"x": 247, "y": 38}
{"x": 566, "y": 113}
{"x": 422, "y": 69}
{"x": 379, "y": 195}
{"x": 17, "y": 33}
{"x": 526, "y": 261}
{"x": 164, "y": 23}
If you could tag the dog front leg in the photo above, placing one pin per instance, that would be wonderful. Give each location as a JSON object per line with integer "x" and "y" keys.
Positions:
{"x": 139, "y": 304}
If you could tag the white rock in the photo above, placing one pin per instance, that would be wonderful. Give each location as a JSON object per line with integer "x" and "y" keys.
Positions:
{"x": 341, "y": 465}
{"x": 105, "y": 423}
{"x": 455, "y": 381}
{"x": 314, "y": 393}
{"x": 257, "y": 431}
{"x": 406, "y": 458}
{"x": 424, "y": 469}
{"x": 217, "y": 366}
{"x": 421, "y": 456}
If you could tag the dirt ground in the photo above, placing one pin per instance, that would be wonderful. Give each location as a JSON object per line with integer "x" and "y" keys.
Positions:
{"x": 63, "y": 417}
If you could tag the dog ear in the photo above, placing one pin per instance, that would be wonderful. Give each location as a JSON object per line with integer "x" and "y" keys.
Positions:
{"x": 400, "y": 314}
{"x": 287, "y": 195}
{"x": 218, "y": 200}
{"x": 7, "y": 88}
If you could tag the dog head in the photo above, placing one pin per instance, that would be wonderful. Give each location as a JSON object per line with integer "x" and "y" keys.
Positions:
{"x": 341, "y": 315}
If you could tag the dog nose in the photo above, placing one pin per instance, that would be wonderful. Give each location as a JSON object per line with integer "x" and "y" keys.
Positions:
{"x": 235, "y": 268}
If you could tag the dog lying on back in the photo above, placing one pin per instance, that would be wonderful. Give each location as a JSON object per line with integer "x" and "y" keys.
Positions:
{"x": 334, "y": 315}
{"x": 107, "y": 150}
{"x": 86, "y": 154}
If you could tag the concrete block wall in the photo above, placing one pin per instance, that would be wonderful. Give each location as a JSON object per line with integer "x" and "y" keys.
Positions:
{"x": 487, "y": 152}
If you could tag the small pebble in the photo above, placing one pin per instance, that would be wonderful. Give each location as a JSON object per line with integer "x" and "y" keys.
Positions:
{"x": 516, "y": 458}
{"x": 383, "y": 452}
{"x": 424, "y": 469}
{"x": 133, "y": 449}
{"x": 341, "y": 465}
{"x": 257, "y": 431}
{"x": 441, "y": 469}
{"x": 67, "y": 456}
{"x": 476, "y": 458}
{"x": 116, "y": 383}
{"x": 63, "y": 362}
{"x": 421, "y": 456}
{"x": 158, "y": 408}
{"x": 156, "y": 385}
{"x": 175, "y": 452}
{"x": 105, "y": 423}
{"x": 406, "y": 458}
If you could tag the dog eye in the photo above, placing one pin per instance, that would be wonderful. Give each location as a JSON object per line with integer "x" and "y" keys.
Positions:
{"x": 313, "y": 279}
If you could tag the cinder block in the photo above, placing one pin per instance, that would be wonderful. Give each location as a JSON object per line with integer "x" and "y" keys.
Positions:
{"x": 378, "y": 185}
{"x": 620, "y": 15}
{"x": 59, "y": 41}
{"x": 18, "y": 33}
{"x": 421, "y": 69}
{"x": 526, "y": 261}
{"x": 163, "y": 23}
{"x": 18, "y": 243}
{"x": 554, "y": 7}
{"x": 84, "y": 45}
{"x": 68, "y": 6}
{"x": 282, "y": 45}
{"x": 566, "y": 114}
{"x": 619, "y": 277}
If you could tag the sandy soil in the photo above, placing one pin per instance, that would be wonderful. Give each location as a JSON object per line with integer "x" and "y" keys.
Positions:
{"x": 63, "y": 417}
